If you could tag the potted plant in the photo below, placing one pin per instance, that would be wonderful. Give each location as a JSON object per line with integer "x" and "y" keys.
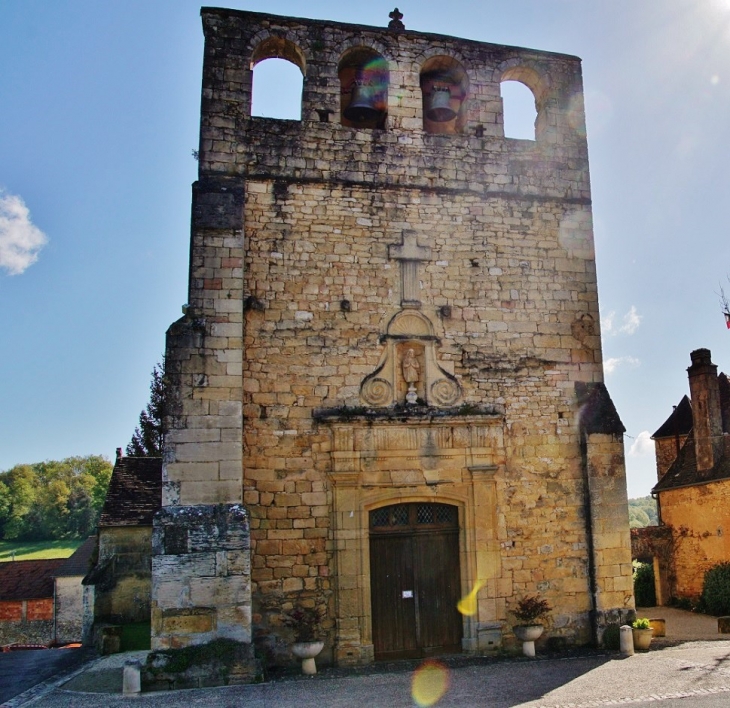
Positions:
{"x": 307, "y": 625}
{"x": 529, "y": 611}
{"x": 642, "y": 632}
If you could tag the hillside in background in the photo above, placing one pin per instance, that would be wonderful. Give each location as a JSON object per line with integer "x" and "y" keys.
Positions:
{"x": 642, "y": 512}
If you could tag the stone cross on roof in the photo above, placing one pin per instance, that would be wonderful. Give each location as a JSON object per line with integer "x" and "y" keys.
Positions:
{"x": 409, "y": 253}
{"x": 395, "y": 20}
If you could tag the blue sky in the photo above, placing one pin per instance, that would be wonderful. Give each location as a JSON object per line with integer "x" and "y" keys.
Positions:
{"x": 99, "y": 106}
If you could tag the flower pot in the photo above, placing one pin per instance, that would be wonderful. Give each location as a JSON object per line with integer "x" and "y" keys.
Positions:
{"x": 642, "y": 637}
{"x": 527, "y": 634}
{"x": 306, "y": 651}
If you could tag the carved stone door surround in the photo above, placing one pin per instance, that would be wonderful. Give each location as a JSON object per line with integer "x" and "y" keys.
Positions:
{"x": 457, "y": 460}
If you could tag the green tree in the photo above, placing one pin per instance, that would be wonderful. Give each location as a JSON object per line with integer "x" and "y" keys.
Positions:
{"x": 53, "y": 499}
{"x": 148, "y": 439}
{"x": 642, "y": 512}
{"x": 22, "y": 483}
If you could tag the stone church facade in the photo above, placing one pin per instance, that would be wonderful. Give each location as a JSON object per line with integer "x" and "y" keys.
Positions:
{"x": 388, "y": 385}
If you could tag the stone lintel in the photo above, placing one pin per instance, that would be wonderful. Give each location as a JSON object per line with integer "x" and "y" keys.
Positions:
{"x": 413, "y": 415}
{"x": 485, "y": 470}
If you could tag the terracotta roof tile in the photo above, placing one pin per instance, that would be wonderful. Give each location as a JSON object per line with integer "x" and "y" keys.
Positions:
{"x": 684, "y": 473}
{"x": 28, "y": 580}
{"x": 135, "y": 492}
{"x": 679, "y": 422}
{"x": 80, "y": 562}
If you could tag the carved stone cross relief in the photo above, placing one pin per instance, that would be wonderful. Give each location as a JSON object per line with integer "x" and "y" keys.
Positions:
{"x": 409, "y": 253}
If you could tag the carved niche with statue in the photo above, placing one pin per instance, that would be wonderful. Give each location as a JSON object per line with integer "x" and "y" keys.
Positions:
{"x": 408, "y": 371}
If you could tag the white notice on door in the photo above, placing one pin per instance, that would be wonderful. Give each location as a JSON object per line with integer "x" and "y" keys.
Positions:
{"x": 407, "y": 593}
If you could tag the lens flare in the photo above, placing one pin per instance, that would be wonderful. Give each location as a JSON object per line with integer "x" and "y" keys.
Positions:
{"x": 430, "y": 682}
{"x": 468, "y": 604}
{"x": 574, "y": 234}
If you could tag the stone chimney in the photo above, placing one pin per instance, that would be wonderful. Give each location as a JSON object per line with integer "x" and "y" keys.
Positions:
{"x": 706, "y": 411}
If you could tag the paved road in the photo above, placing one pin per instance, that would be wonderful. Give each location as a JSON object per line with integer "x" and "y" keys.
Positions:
{"x": 20, "y": 670}
{"x": 698, "y": 671}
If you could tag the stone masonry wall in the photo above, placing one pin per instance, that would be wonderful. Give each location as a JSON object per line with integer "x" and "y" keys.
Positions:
{"x": 69, "y": 609}
{"x": 666, "y": 453}
{"x": 496, "y": 266}
{"x": 26, "y": 621}
{"x": 123, "y": 595}
{"x": 699, "y": 522}
{"x": 201, "y": 570}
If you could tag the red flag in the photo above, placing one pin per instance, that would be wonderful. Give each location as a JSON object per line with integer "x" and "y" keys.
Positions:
{"x": 727, "y": 319}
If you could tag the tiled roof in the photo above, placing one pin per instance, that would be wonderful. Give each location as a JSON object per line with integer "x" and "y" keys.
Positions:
{"x": 135, "y": 492}
{"x": 80, "y": 562}
{"x": 678, "y": 423}
{"x": 28, "y": 580}
{"x": 683, "y": 472}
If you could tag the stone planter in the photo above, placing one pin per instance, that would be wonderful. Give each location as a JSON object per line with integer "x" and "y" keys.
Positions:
{"x": 659, "y": 627}
{"x": 306, "y": 651}
{"x": 527, "y": 634}
{"x": 642, "y": 638}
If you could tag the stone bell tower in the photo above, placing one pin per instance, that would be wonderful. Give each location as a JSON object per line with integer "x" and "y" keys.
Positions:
{"x": 388, "y": 378}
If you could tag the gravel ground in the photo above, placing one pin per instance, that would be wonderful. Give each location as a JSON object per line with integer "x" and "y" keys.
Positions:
{"x": 683, "y": 625}
{"x": 692, "y": 661}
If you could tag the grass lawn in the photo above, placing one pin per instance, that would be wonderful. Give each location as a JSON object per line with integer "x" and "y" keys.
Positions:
{"x": 37, "y": 550}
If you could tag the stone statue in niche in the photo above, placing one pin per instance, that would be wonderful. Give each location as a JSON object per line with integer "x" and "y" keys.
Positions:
{"x": 409, "y": 365}
{"x": 411, "y": 372}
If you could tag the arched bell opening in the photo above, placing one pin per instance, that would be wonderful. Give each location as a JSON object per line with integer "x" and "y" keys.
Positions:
{"x": 522, "y": 91}
{"x": 275, "y": 62}
{"x": 444, "y": 88}
{"x": 364, "y": 79}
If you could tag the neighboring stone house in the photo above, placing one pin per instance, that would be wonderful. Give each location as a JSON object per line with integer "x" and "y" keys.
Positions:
{"x": 68, "y": 592}
{"x": 26, "y": 601}
{"x": 41, "y": 600}
{"x": 387, "y": 386}
{"x": 118, "y": 588}
{"x": 693, "y": 491}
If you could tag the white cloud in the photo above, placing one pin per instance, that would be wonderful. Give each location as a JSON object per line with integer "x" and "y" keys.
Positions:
{"x": 630, "y": 323}
{"x": 632, "y": 320}
{"x": 610, "y": 365}
{"x": 20, "y": 239}
{"x": 607, "y": 323}
{"x": 642, "y": 445}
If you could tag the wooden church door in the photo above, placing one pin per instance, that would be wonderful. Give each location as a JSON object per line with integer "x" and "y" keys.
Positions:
{"x": 415, "y": 580}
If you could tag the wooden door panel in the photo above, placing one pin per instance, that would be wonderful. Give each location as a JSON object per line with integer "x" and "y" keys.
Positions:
{"x": 436, "y": 569}
{"x": 394, "y": 617}
{"x": 408, "y": 557}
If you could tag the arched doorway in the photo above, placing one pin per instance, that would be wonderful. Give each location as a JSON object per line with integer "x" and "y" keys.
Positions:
{"x": 415, "y": 580}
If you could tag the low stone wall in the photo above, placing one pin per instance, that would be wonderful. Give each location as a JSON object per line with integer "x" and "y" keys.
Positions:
{"x": 26, "y": 622}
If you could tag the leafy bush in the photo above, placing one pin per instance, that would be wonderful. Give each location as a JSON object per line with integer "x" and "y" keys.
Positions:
{"x": 531, "y": 608}
{"x": 682, "y": 603}
{"x": 306, "y": 623}
{"x": 641, "y": 623}
{"x": 716, "y": 590}
{"x": 644, "y": 591}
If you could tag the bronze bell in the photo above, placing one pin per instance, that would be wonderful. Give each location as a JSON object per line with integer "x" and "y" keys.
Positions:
{"x": 363, "y": 103}
{"x": 439, "y": 107}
